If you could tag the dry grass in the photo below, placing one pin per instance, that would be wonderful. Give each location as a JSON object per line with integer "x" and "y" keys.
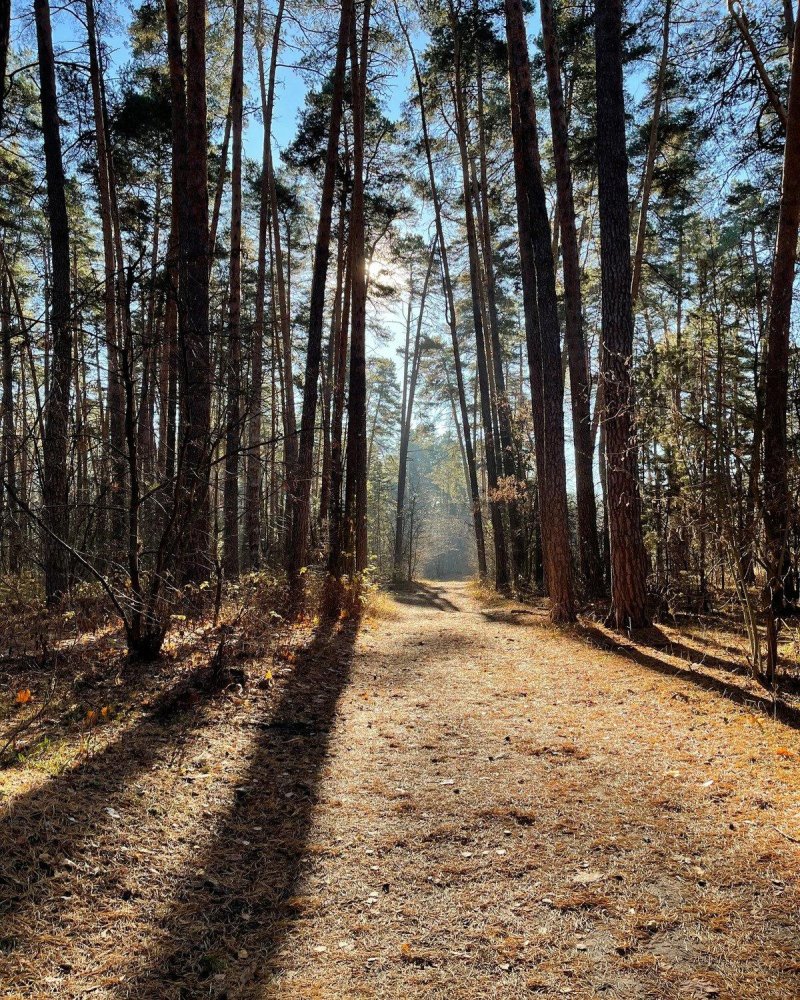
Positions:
{"x": 379, "y": 606}
{"x": 463, "y": 802}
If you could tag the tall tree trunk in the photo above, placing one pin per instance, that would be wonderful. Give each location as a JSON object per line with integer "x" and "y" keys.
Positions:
{"x": 777, "y": 517}
{"x": 509, "y": 465}
{"x": 355, "y": 502}
{"x": 5, "y": 32}
{"x": 151, "y": 359}
{"x": 628, "y": 555}
{"x": 55, "y": 486}
{"x": 650, "y": 162}
{"x": 330, "y": 368}
{"x": 233, "y": 360}
{"x": 9, "y": 515}
{"x": 113, "y": 281}
{"x": 194, "y": 335}
{"x": 336, "y": 526}
{"x": 8, "y": 483}
{"x": 220, "y": 187}
{"x": 579, "y": 377}
{"x": 282, "y": 287}
{"x": 303, "y": 471}
{"x": 740, "y": 19}
{"x": 254, "y": 432}
{"x": 409, "y": 390}
{"x": 544, "y": 341}
{"x": 452, "y": 321}
{"x": 489, "y": 439}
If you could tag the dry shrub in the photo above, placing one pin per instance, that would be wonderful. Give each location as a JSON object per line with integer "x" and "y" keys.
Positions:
{"x": 481, "y": 591}
{"x": 379, "y": 606}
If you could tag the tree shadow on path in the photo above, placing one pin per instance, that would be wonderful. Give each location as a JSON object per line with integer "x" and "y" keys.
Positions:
{"x": 58, "y": 822}
{"x": 234, "y": 906}
{"x": 737, "y": 693}
{"x": 423, "y": 595}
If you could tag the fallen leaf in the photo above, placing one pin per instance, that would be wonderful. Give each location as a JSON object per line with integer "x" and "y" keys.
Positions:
{"x": 587, "y": 878}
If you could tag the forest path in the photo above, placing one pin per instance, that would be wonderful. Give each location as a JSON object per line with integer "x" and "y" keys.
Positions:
{"x": 507, "y": 811}
{"x": 451, "y": 801}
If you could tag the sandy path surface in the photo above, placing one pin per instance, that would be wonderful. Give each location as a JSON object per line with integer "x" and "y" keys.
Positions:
{"x": 507, "y": 811}
{"x": 456, "y": 802}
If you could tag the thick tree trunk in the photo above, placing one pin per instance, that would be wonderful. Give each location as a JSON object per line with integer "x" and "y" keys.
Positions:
{"x": 777, "y": 503}
{"x": 579, "y": 377}
{"x": 233, "y": 359}
{"x": 544, "y": 341}
{"x": 628, "y": 555}
{"x": 55, "y": 486}
{"x": 303, "y": 470}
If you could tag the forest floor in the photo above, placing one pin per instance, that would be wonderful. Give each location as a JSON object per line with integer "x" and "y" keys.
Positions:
{"x": 450, "y": 799}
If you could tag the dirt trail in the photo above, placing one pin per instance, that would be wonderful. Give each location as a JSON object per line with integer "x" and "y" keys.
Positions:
{"x": 507, "y": 811}
{"x": 463, "y": 803}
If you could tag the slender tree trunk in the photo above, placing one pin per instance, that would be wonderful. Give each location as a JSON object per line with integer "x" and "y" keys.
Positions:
{"x": 282, "y": 286}
{"x": 329, "y": 387}
{"x": 628, "y": 555}
{"x": 8, "y": 476}
{"x": 254, "y": 432}
{"x": 8, "y": 483}
{"x": 194, "y": 334}
{"x": 233, "y": 360}
{"x": 489, "y": 439}
{"x": 407, "y": 414}
{"x": 777, "y": 501}
{"x": 55, "y": 486}
{"x": 452, "y": 322}
{"x": 220, "y": 188}
{"x": 145, "y": 419}
{"x": 303, "y": 471}
{"x": 5, "y": 32}
{"x": 336, "y": 529}
{"x": 544, "y": 341}
{"x": 650, "y": 162}
{"x": 740, "y": 20}
{"x": 355, "y": 503}
{"x": 509, "y": 465}
{"x": 579, "y": 377}
{"x": 113, "y": 280}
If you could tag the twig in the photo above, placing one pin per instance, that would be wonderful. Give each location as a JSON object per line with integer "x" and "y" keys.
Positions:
{"x": 788, "y": 837}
